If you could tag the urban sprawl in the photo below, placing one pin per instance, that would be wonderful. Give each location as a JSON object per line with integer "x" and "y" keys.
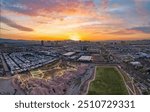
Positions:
{"x": 68, "y": 67}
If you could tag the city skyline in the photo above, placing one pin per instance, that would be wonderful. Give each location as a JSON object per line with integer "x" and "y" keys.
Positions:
{"x": 75, "y": 19}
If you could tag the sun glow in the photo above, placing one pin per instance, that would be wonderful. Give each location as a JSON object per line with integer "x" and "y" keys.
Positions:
{"x": 75, "y": 37}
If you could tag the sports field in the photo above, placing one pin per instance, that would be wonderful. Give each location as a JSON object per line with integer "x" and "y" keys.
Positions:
{"x": 108, "y": 81}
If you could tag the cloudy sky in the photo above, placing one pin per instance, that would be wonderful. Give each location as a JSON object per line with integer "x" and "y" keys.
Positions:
{"x": 75, "y": 19}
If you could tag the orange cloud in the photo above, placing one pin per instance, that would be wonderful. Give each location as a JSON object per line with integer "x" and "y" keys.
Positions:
{"x": 57, "y": 19}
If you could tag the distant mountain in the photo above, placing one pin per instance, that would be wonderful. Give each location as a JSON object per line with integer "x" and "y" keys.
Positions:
{"x": 2, "y": 40}
{"x": 18, "y": 42}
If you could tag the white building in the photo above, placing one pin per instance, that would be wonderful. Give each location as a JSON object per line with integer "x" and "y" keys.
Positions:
{"x": 85, "y": 58}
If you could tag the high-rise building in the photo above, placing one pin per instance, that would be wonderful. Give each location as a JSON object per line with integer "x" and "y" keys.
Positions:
{"x": 42, "y": 43}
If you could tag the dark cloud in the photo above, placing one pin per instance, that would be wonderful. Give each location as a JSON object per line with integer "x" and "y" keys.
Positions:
{"x": 13, "y": 24}
{"x": 145, "y": 29}
{"x": 124, "y": 32}
{"x": 134, "y": 30}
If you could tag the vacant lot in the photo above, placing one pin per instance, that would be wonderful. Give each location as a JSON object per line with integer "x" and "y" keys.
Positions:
{"x": 108, "y": 81}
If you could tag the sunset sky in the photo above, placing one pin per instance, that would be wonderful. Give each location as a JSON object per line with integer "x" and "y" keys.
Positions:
{"x": 75, "y": 19}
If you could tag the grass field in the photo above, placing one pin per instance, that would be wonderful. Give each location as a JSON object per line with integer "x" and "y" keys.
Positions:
{"x": 107, "y": 81}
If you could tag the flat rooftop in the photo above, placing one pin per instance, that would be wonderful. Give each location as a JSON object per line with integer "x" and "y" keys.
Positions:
{"x": 69, "y": 53}
{"x": 85, "y": 58}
